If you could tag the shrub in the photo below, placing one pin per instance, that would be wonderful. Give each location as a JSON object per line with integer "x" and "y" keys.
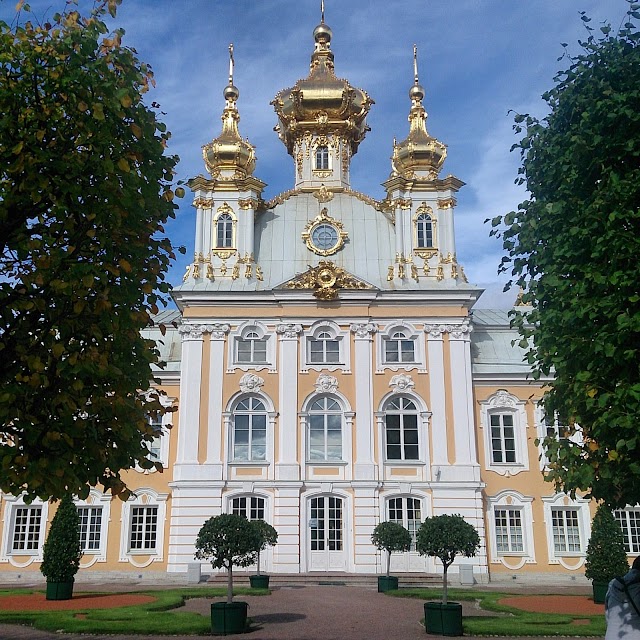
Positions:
{"x": 61, "y": 552}
{"x": 267, "y": 534}
{"x": 391, "y": 536}
{"x": 606, "y": 555}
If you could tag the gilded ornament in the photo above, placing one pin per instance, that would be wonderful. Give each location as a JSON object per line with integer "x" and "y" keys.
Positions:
{"x": 210, "y": 275}
{"x": 203, "y": 203}
{"x": 323, "y": 194}
{"x": 401, "y": 271}
{"x": 390, "y": 273}
{"x": 324, "y": 235}
{"x": 223, "y": 254}
{"x": 322, "y": 173}
{"x": 235, "y": 273}
{"x": 425, "y": 254}
{"x": 248, "y": 203}
{"x": 259, "y": 275}
{"x": 440, "y": 273}
{"x": 196, "y": 271}
{"x": 185, "y": 277}
{"x": 247, "y": 271}
{"x": 414, "y": 272}
{"x": 447, "y": 203}
{"x": 425, "y": 268}
{"x": 223, "y": 268}
{"x": 326, "y": 279}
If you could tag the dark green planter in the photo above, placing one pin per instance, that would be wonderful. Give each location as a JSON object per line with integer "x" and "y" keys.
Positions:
{"x": 599, "y": 591}
{"x": 259, "y": 581}
{"x": 443, "y": 619}
{"x": 387, "y": 583}
{"x": 228, "y": 618}
{"x": 59, "y": 590}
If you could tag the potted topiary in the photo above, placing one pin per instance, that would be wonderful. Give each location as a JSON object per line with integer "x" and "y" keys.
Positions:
{"x": 268, "y": 537}
{"x": 606, "y": 555}
{"x": 445, "y": 537}
{"x": 389, "y": 537}
{"x": 228, "y": 540}
{"x": 61, "y": 552}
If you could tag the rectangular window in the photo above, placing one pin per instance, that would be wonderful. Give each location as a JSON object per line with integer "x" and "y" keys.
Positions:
{"x": 155, "y": 446}
{"x": 26, "y": 529}
{"x": 251, "y": 350}
{"x": 503, "y": 442}
{"x": 90, "y": 528}
{"x": 508, "y": 523}
{"x": 629, "y": 521}
{"x": 324, "y": 351}
{"x": 566, "y": 531}
{"x": 144, "y": 529}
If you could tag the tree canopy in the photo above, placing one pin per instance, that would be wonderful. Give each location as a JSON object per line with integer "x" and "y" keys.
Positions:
{"x": 85, "y": 189}
{"x": 573, "y": 249}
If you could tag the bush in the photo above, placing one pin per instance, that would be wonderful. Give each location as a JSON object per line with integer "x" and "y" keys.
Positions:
{"x": 445, "y": 537}
{"x": 606, "y": 555}
{"x": 391, "y": 536}
{"x": 61, "y": 552}
{"x": 267, "y": 534}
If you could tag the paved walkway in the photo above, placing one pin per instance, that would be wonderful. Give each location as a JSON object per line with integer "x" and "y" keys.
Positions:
{"x": 300, "y": 613}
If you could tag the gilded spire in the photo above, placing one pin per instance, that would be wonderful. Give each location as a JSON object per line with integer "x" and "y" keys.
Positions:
{"x": 229, "y": 156}
{"x": 419, "y": 155}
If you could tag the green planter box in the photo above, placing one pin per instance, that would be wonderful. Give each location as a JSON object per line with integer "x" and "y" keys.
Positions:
{"x": 389, "y": 583}
{"x": 228, "y": 618}
{"x": 59, "y": 590}
{"x": 259, "y": 581}
{"x": 599, "y": 591}
{"x": 443, "y": 619}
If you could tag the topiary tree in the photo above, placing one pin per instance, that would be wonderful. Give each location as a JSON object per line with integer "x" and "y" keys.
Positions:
{"x": 227, "y": 540}
{"x": 606, "y": 555}
{"x": 61, "y": 552}
{"x": 445, "y": 537}
{"x": 267, "y": 534}
{"x": 389, "y": 537}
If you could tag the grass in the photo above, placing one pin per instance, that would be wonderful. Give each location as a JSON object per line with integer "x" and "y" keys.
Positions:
{"x": 150, "y": 618}
{"x": 512, "y": 621}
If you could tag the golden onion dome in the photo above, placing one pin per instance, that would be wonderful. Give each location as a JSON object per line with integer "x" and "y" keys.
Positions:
{"x": 419, "y": 154}
{"x": 322, "y": 103}
{"x": 229, "y": 156}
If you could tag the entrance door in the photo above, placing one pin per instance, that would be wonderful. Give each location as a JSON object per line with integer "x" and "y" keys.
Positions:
{"x": 407, "y": 512}
{"x": 326, "y": 534}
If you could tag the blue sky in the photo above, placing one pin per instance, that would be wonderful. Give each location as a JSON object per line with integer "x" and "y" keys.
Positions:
{"x": 478, "y": 59}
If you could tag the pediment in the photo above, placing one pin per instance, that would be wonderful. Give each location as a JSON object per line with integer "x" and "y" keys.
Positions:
{"x": 326, "y": 280}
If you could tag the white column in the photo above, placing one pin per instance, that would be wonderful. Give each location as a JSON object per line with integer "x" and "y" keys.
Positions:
{"x": 399, "y": 229}
{"x": 199, "y": 249}
{"x": 437, "y": 393}
{"x": 207, "y": 230}
{"x": 364, "y": 467}
{"x": 216, "y": 379}
{"x": 288, "y": 467}
{"x": 190, "y": 383}
{"x": 462, "y": 393}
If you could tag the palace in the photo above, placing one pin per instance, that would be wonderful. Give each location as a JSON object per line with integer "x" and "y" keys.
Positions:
{"x": 329, "y": 372}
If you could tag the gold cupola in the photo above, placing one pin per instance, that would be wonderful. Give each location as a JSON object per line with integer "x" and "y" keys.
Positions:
{"x": 229, "y": 157}
{"x": 419, "y": 155}
{"x": 322, "y": 104}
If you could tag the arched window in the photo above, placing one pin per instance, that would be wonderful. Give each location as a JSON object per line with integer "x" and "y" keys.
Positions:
{"x": 401, "y": 429}
{"x": 251, "y": 507}
{"x": 251, "y": 348}
{"x": 322, "y": 157}
{"x": 424, "y": 228}
{"x": 407, "y": 512}
{"x": 325, "y": 430}
{"x": 250, "y": 430}
{"x": 324, "y": 348}
{"x": 399, "y": 347}
{"x": 224, "y": 231}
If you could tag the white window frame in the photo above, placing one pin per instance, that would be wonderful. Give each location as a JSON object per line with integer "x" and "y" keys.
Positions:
{"x": 623, "y": 517}
{"x": 310, "y": 413}
{"x": 411, "y": 333}
{"x": 411, "y": 526}
{"x": 144, "y": 497}
{"x": 262, "y": 333}
{"x": 420, "y": 219}
{"x": 96, "y": 500}
{"x": 163, "y": 436}
{"x": 511, "y": 500}
{"x": 541, "y": 430}
{"x": 570, "y": 560}
{"x": 248, "y": 510}
{"x": 224, "y": 210}
{"x": 21, "y": 557}
{"x": 329, "y": 158}
{"x": 336, "y": 333}
{"x": 250, "y": 413}
{"x": 503, "y": 402}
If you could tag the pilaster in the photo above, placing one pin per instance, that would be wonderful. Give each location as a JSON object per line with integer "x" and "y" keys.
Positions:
{"x": 435, "y": 366}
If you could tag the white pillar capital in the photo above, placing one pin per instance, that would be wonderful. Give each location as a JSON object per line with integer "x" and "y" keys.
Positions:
{"x": 363, "y": 330}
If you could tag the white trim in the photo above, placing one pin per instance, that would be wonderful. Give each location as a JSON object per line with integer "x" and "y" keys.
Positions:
{"x": 164, "y": 435}
{"x": 97, "y": 499}
{"x": 570, "y": 560}
{"x": 340, "y": 335}
{"x": 237, "y": 334}
{"x": 418, "y": 338}
{"x": 626, "y": 528}
{"x": 503, "y": 402}
{"x": 7, "y": 554}
{"x": 510, "y": 499}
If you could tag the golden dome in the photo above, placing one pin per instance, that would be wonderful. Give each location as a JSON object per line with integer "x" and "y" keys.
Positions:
{"x": 228, "y": 156}
{"x": 419, "y": 154}
{"x": 322, "y": 103}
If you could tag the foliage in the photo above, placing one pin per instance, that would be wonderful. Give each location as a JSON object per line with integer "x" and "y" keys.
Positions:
{"x": 85, "y": 189}
{"x": 267, "y": 534}
{"x": 572, "y": 247}
{"x": 445, "y": 537}
{"x": 228, "y": 540}
{"x": 606, "y": 556}
{"x": 61, "y": 552}
{"x": 391, "y": 536}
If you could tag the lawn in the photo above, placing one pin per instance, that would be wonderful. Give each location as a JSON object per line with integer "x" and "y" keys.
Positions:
{"x": 150, "y": 618}
{"x": 512, "y": 622}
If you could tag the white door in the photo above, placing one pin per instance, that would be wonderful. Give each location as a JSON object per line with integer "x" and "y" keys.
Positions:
{"x": 326, "y": 534}
{"x": 407, "y": 512}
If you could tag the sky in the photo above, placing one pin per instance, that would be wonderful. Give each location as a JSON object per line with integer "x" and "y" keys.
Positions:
{"x": 479, "y": 61}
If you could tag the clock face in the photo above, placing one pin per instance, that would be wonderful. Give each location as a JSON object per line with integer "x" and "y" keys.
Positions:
{"x": 325, "y": 237}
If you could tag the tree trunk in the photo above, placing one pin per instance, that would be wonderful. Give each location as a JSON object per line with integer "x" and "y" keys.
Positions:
{"x": 388, "y": 562}
{"x": 258, "y": 561}
{"x": 444, "y": 584}
{"x": 230, "y": 583}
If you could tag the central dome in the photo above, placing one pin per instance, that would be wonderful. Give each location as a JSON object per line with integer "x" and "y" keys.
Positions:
{"x": 322, "y": 103}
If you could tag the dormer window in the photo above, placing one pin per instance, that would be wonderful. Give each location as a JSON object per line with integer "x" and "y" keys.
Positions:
{"x": 424, "y": 229}
{"x": 224, "y": 231}
{"x": 322, "y": 158}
